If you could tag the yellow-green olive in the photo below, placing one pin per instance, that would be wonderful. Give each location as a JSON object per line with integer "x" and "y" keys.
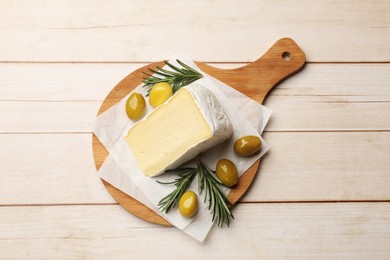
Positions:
{"x": 135, "y": 106}
{"x": 227, "y": 172}
{"x": 160, "y": 93}
{"x": 247, "y": 145}
{"x": 188, "y": 204}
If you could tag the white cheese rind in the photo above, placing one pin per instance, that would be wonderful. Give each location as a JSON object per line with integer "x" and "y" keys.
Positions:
{"x": 151, "y": 141}
{"x": 215, "y": 117}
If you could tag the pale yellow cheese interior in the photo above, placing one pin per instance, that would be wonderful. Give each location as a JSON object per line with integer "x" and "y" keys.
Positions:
{"x": 168, "y": 132}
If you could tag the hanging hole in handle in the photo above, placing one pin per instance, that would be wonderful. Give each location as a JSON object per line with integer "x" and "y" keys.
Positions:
{"x": 286, "y": 56}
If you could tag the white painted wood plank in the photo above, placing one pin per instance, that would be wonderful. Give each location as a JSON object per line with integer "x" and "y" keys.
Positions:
{"x": 146, "y": 31}
{"x": 38, "y": 116}
{"x": 338, "y": 80}
{"x": 329, "y": 113}
{"x": 299, "y": 231}
{"x": 321, "y": 97}
{"x": 85, "y": 81}
{"x": 330, "y": 97}
{"x": 290, "y": 113}
{"x": 66, "y": 81}
{"x": 60, "y": 82}
{"x": 59, "y": 168}
{"x": 322, "y": 166}
{"x": 42, "y": 168}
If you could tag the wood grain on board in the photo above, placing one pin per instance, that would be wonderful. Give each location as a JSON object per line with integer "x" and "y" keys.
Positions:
{"x": 322, "y": 191}
{"x": 328, "y": 166}
{"x": 78, "y": 82}
{"x": 322, "y": 97}
{"x": 254, "y": 80}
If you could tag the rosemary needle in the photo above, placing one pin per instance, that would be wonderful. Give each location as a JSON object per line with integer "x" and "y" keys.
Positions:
{"x": 178, "y": 77}
{"x": 218, "y": 202}
{"x": 186, "y": 176}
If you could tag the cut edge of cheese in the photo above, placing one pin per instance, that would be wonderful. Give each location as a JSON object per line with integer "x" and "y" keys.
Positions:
{"x": 190, "y": 122}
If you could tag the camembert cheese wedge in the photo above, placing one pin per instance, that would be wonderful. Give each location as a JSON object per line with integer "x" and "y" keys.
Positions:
{"x": 189, "y": 123}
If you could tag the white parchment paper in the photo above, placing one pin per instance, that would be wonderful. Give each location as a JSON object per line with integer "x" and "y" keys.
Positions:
{"x": 120, "y": 168}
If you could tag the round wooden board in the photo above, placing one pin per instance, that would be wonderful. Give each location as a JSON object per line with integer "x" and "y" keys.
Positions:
{"x": 254, "y": 80}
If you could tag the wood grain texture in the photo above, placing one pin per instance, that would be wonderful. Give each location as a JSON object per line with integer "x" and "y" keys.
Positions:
{"x": 78, "y": 82}
{"x": 69, "y": 99}
{"x": 277, "y": 231}
{"x": 254, "y": 80}
{"x": 49, "y": 168}
{"x": 290, "y": 113}
{"x": 43, "y": 30}
{"x": 49, "y": 117}
{"x": 326, "y": 166}
{"x": 329, "y": 131}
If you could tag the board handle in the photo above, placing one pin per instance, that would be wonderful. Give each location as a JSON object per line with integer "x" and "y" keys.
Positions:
{"x": 283, "y": 59}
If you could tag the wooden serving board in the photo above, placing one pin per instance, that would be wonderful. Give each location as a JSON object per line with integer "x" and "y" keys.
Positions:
{"x": 255, "y": 80}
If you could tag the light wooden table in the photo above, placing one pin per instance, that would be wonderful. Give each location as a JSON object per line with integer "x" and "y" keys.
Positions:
{"x": 322, "y": 192}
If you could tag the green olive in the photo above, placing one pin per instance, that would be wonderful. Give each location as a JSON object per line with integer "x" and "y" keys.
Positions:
{"x": 188, "y": 204}
{"x": 227, "y": 172}
{"x": 135, "y": 106}
{"x": 247, "y": 145}
{"x": 160, "y": 93}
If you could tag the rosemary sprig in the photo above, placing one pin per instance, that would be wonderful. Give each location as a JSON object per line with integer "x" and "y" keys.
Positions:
{"x": 178, "y": 77}
{"x": 186, "y": 176}
{"x": 218, "y": 201}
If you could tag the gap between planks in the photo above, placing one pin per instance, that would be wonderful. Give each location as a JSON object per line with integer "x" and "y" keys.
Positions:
{"x": 265, "y": 131}
{"x": 240, "y": 202}
{"x": 208, "y": 62}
